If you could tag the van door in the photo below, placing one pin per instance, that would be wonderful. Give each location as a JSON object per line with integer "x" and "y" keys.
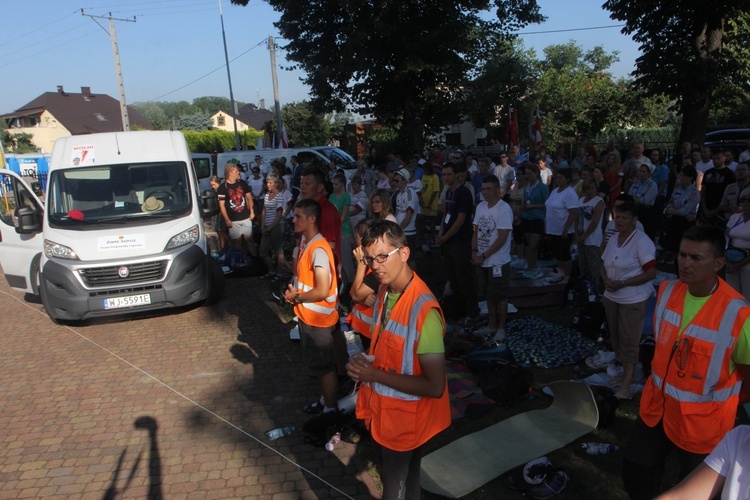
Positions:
{"x": 19, "y": 253}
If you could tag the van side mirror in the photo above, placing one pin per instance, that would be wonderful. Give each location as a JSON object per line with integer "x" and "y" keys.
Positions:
{"x": 209, "y": 203}
{"x": 28, "y": 220}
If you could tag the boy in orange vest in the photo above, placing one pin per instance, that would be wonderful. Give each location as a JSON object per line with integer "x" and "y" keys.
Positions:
{"x": 403, "y": 396}
{"x": 315, "y": 298}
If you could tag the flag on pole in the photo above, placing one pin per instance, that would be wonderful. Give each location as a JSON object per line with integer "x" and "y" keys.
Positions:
{"x": 536, "y": 128}
{"x": 284, "y": 138}
{"x": 514, "y": 128}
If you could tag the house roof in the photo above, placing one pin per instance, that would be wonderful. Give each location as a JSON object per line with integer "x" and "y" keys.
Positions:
{"x": 82, "y": 113}
{"x": 254, "y": 116}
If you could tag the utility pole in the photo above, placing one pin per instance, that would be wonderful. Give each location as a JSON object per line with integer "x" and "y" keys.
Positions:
{"x": 118, "y": 68}
{"x": 276, "y": 103}
{"x": 229, "y": 77}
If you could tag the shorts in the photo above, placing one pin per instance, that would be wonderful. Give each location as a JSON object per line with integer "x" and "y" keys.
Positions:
{"x": 271, "y": 242}
{"x": 561, "y": 246}
{"x": 494, "y": 289}
{"x": 241, "y": 228}
{"x": 532, "y": 226}
{"x": 317, "y": 349}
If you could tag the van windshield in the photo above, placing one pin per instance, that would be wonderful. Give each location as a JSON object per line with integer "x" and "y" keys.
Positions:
{"x": 341, "y": 158}
{"x": 104, "y": 194}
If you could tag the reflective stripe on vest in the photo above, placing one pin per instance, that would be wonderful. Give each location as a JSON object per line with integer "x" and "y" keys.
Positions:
{"x": 410, "y": 334}
{"x": 661, "y": 309}
{"x": 721, "y": 339}
{"x": 326, "y": 308}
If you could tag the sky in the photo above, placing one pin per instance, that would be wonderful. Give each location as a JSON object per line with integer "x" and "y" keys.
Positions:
{"x": 174, "y": 50}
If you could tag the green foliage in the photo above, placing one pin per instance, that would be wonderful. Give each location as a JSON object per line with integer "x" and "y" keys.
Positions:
{"x": 212, "y": 105}
{"x": 18, "y": 143}
{"x": 199, "y": 121}
{"x": 664, "y": 137}
{"x": 688, "y": 47}
{"x": 404, "y": 62}
{"x": 155, "y": 115}
{"x": 384, "y": 139}
{"x": 305, "y": 127}
{"x": 209, "y": 141}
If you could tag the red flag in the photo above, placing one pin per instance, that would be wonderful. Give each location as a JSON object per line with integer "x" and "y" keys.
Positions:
{"x": 284, "y": 139}
{"x": 514, "y": 128}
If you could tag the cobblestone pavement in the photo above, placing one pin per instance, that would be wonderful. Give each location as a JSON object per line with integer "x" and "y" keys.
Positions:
{"x": 174, "y": 405}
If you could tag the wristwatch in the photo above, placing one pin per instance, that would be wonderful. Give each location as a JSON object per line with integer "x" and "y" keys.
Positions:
{"x": 297, "y": 299}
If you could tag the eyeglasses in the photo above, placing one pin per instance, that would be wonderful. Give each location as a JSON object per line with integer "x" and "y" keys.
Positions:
{"x": 380, "y": 259}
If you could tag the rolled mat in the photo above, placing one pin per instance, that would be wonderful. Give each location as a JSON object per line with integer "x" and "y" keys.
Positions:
{"x": 464, "y": 465}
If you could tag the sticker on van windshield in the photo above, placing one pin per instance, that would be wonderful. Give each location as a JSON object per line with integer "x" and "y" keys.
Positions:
{"x": 83, "y": 155}
{"x": 121, "y": 242}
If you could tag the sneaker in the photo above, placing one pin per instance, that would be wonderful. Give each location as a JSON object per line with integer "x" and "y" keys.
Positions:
{"x": 512, "y": 309}
{"x": 600, "y": 360}
{"x": 552, "y": 485}
{"x": 499, "y": 335}
{"x": 485, "y": 331}
{"x": 530, "y": 475}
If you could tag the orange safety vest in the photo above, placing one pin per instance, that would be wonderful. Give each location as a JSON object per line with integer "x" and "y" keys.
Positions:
{"x": 360, "y": 319}
{"x": 397, "y": 420}
{"x": 323, "y": 313}
{"x": 690, "y": 388}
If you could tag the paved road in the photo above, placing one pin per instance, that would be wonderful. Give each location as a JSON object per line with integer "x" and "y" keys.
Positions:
{"x": 169, "y": 406}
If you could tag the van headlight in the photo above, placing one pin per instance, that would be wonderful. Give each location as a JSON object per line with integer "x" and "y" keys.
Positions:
{"x": 54, "y": 250}
{"x": 187, "y": 237}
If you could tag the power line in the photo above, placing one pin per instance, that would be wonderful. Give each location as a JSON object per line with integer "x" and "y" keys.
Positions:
{"x": 36, "y": 30}
{"x": 207, "y": 74}
{"x": 521, "y": 33}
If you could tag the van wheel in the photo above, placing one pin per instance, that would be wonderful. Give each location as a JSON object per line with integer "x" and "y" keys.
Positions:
{"x": 215, "y": 282}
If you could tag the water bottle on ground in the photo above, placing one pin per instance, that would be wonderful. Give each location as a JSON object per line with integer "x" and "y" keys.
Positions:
{"x": 274, "y": 434}
{"x": 331, "y": 444}
{"x": 599, "y": 448}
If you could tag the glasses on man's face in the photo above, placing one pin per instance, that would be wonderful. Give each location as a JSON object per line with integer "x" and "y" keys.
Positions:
{"x": 380, "y": 259}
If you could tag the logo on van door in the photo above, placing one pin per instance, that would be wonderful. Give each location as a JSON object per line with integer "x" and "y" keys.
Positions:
{"x": 124, "y": 272}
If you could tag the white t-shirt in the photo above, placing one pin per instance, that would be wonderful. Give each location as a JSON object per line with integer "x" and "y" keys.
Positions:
{"x": 624, "y": 262}
{"x": 731, "y": 459}
{"x": 544, "y": 175}
{"x": 256, "y": 185}
{"x": 506, "y": 176}
{"x": 704, "y": 167}
{"x": 488, "y": 221}
{"x": 739, "y": 231}
{"x": 406, "y": 201}
{"x": 585, "y": 215}
{"x": 558, "y": 205}
{"x": 287, "y": 197}
{"x": 359, "y": 200}
{"x": 416, "y": 185}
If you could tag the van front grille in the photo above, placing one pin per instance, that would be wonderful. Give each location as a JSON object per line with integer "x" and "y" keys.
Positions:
{"x": 142, "y": 272}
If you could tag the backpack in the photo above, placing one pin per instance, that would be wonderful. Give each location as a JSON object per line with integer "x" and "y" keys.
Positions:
{"x": 591, "y": 320}
{"x": 579, "y": 292}
{"x": 505, "y": 383}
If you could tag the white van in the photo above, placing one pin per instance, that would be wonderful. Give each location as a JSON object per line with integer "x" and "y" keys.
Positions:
{"x": 204, "y": 169}
{"x": 317, "y": 155}
{"x": 121, "y": 229}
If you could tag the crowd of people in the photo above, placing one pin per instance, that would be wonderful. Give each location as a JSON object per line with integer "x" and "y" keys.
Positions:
{"x": 611, "y": 216}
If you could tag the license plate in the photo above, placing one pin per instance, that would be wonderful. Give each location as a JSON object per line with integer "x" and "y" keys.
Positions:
{"x": 129, "y": 301}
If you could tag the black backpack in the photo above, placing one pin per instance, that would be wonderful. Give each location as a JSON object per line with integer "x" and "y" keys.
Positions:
{"x": 591, "y": 320}
{"x": 505, "y": 383}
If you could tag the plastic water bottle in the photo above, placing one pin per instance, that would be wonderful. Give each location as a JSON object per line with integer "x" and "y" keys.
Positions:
{"x": 573, "y": 251}
{"x": 274, "y": 434}
{"x": 331, "y": 444}
{"x": 599, "y": 448}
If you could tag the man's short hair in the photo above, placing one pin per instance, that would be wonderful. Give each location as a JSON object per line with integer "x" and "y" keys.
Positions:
{"x": 310, "y": 208}
{"x": 317, "y": 174}
{"x": 451, "y": 166}
{"x": 628, "y": 207}
{"x": 689, "y": 171}
{"x": 710, "y": 234}
{"x": 388, "y": 231}
{"x": 625, "y": 197}
{"x": 492, "y": 179}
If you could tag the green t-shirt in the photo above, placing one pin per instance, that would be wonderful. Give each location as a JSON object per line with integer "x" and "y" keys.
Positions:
{"x": 340, "y": 202}
{"x": 431, "y": 339}
{"x": 741, "y": 352}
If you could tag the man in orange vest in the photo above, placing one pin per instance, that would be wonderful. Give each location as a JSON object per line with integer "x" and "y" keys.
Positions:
{"x": 403, "y": 395}
{"x": 701, "y": 359}
{"x": 315, "y": 300}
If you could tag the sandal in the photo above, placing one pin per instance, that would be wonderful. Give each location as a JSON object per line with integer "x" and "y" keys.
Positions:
{"x": 314, "y": 408}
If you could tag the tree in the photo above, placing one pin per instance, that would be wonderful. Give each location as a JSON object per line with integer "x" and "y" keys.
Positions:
{"x": 688, "y": 47}
{"x": 155, "y": 114}
{"x": 212, "y": 105}
{"x": 199, "y": 121}
{"x": 304, "y": 126}
{"x": 404, "y": 62}
{"x": 19, "y": 143}
{"x": 576, "y": 94}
